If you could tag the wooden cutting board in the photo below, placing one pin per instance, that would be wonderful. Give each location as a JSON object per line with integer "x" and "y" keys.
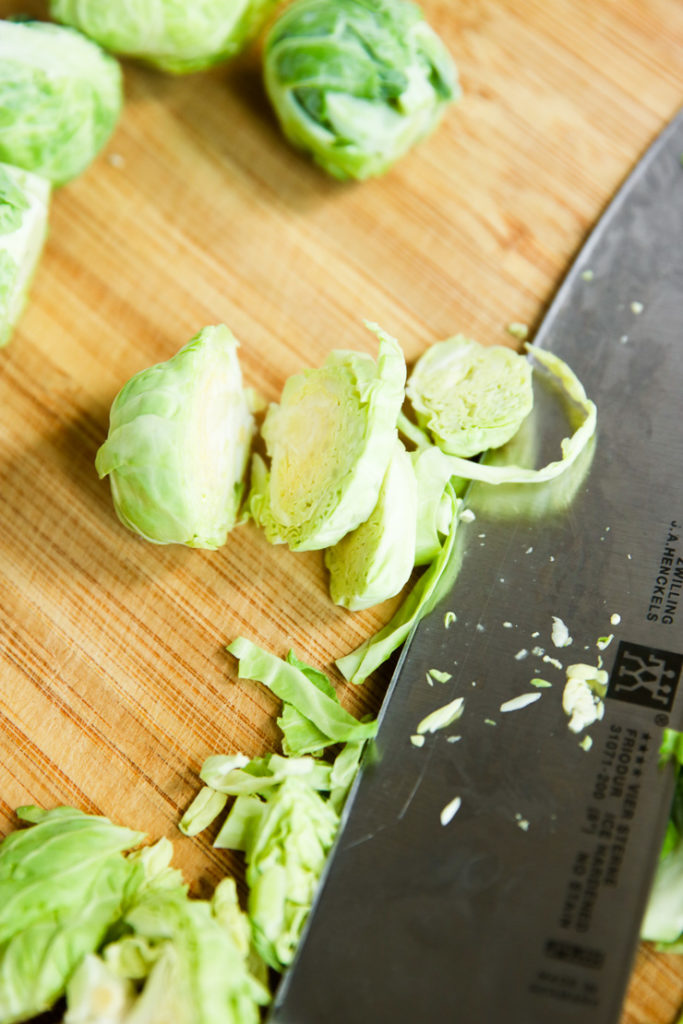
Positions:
{"x": 114, "y": 681}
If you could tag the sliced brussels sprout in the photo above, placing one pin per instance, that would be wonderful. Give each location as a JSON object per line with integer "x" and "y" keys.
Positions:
{"x": 356, "y": 83}
{"x": 329, "y": 441}
{"x": 178, "y": 36}
{"x": 470, "y": 397}
{"x": 60, "y": 97}
{"x": 178, "y": 446}
{"x": 24, "y": 204}
{"x": 374, "y": 561}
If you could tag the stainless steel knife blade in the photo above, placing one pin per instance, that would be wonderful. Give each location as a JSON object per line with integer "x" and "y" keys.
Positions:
{"x": 501, "y": 870}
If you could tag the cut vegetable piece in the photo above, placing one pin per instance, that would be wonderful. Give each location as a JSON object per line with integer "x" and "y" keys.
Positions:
{"x": 178, "y": 445}
{"x": 294, "y": 687}
{"x": 24, "y": 204}
{"x": 435, "y": 508}
{"x": 571, "y": 447}
{"x": 470, "y": 397}
{"x": 285, "y": 858}
{"x": 429, "y": 588}
{"x": 374, "y": 561}
{"x": 329, "y": 441}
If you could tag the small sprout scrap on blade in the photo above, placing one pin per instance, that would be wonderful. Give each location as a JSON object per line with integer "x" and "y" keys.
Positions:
{"x": 442, "y": 716}
{"x": 450, "y": 810}
{"x": 518, "y": 330}
{"x": 582, "y": 698}
{"x": 439, "y": 676}
{"x": 517, "y": 703}
{"x": 560, "y": 633}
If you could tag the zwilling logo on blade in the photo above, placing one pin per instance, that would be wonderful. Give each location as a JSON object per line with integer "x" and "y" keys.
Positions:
{"x": 645, "y": 676}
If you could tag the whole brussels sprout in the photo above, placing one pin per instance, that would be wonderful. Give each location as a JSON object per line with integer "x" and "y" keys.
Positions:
{"x": 179, "y": 439}
{"x": 174, "y": 35}
{"x": 356, "y": 82}
{"x": 24, "y": 203}
{"x": 60, "y": 97}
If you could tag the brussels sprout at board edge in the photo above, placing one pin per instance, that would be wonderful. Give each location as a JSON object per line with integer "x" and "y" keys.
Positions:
{"x": 177, "y": 36}
{"x": 179, "y": 440}
{"x": 24, "y": 204}
{"x": 356, "y": 83}
{"x": 60, "y": 97}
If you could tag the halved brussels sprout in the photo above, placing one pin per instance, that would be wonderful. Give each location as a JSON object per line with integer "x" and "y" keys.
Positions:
{"x": 174, "y": 35}
{"x": 355, "y": 83}
{"x": 60, "y": 97}
{"x": 330, "y": 441}
{"x": 375, "y": 560}
{"x": 179, "y": 439}
{"x": 470, "y": 397}
{"x": 24, "y": 203}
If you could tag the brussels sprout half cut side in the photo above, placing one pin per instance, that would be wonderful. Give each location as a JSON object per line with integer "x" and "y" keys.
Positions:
{"x": 178, "y": 446}
{"x": 24, "y": 205}
{"x": 329, "y": 441}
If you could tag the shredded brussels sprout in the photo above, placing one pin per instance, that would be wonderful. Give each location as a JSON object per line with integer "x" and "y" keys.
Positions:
{"x": 174, "y": 35}
{"x": 356, "y": 83}
{"x": 60, "y": 97}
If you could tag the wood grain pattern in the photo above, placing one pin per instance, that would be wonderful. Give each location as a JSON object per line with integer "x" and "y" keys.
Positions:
{"x": 114, "y": 683}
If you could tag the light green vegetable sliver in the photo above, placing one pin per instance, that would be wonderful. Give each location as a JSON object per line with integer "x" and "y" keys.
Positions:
{"x": 291, "y": 685}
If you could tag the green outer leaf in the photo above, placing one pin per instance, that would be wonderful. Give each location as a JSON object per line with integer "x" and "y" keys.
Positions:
{"x": 290, "y": 684}
{"x": 299, "y": 734}
{"x": 178, "y": 444}
{"x": 60, "y": 98}
{"x": 329, "y": 440}
{"x": 428, "y": 589}
{"x": 262, "y": 774}
{"x": 435, "y": 507}
{"x": 203, "y": 810}
{"x": 374, "y": 561}
{"x": 356, "y": 83}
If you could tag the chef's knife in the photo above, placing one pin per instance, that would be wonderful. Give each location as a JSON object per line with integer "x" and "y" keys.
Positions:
{"x": 501, "y": 870}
